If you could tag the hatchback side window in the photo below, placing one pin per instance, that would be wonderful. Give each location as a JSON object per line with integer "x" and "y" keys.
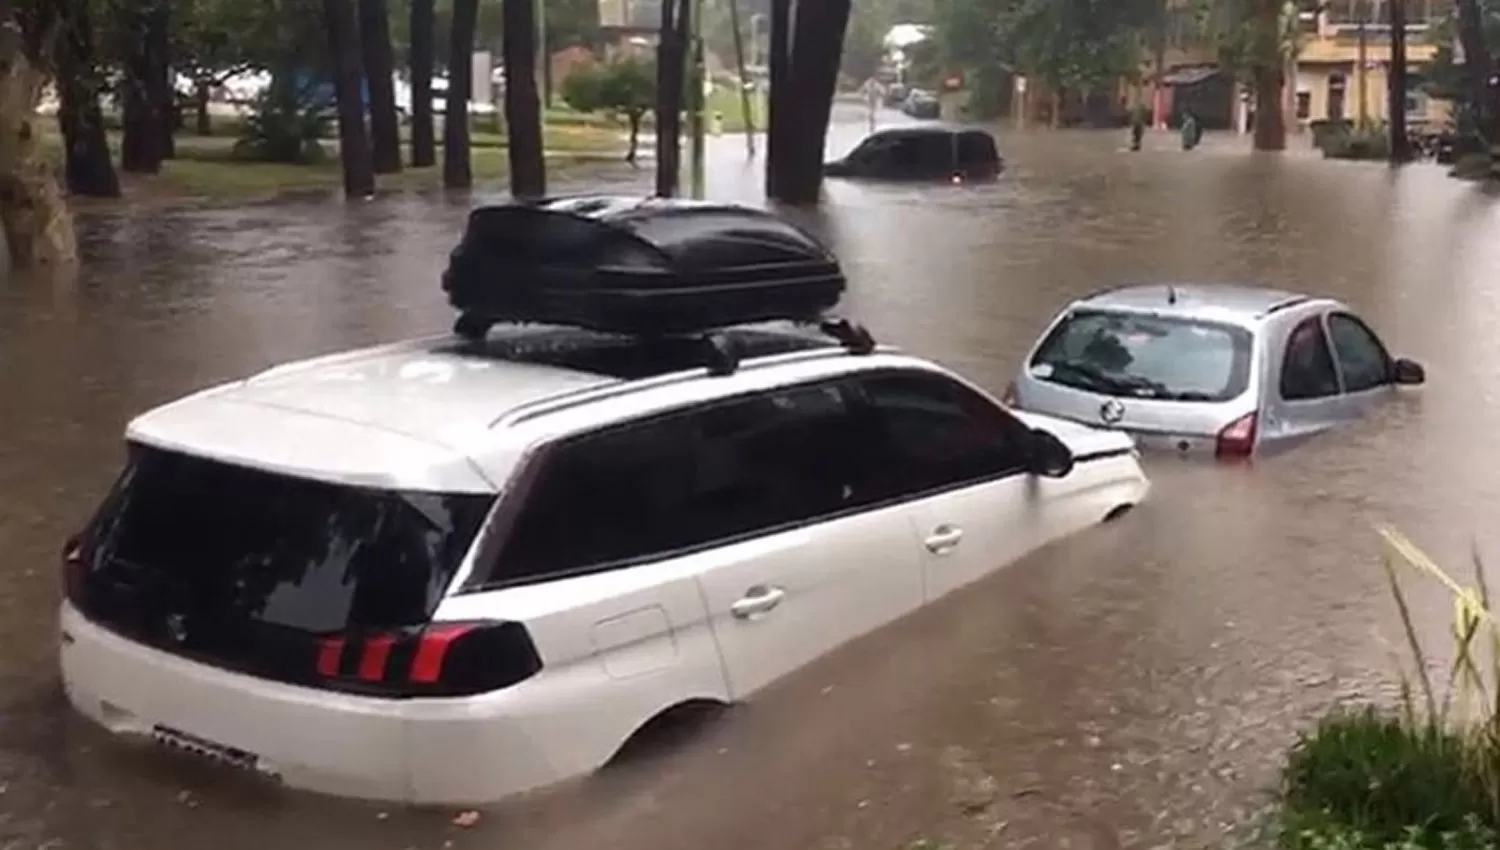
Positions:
{"x": 668, "y": 485}
{"x": 936, "y": 433}
{"x": 1307, "y": 368}
{"x": 1362, "y": 359}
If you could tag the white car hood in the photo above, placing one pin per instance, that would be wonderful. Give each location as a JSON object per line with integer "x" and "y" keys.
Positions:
{"x": 1082, "y": 440}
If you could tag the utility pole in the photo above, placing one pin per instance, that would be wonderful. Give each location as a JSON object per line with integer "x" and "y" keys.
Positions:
{"x": 696, "y": 100}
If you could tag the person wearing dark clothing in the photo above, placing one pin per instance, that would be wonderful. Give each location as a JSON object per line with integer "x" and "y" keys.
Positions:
{"x": 1137, "y": 127}
{"x": 1192, "y": 131}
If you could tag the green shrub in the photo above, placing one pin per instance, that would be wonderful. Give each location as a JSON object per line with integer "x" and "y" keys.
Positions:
{"x": 1368, "y": 143}
{"x": 285, "y": 126}
{"x": 1421, "y": 778}
{"x": 1375, "y": 774}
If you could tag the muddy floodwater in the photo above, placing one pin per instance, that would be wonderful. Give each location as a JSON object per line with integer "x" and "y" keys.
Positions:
{"x": 1131, "y": 687}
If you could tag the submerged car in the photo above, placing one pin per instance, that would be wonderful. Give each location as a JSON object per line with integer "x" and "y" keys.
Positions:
{"x": 922, "y": 153}
{"x": 452, "y": 569}
{"x": 1224, "y": 370}
{"x": 920, "y": 103}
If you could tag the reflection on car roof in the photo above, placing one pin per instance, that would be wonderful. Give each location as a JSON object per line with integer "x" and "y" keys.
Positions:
{"x": 928, "y": 130}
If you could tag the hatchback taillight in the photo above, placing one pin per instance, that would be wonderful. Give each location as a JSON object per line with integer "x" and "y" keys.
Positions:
{"x": 443, "y": 659}
{"x": 1237, "y": 439}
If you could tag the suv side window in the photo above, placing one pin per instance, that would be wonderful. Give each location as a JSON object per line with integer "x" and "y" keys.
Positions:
{"x": 669, "y": 484}
{"x": 936, "y": 433}
{"x": 1362, "y": 359}
{"x": 1307, "y": 368}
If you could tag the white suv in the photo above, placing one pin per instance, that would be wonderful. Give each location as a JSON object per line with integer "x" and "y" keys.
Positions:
{"x": 444, "y": 572}
{"x": 448, "y": 570}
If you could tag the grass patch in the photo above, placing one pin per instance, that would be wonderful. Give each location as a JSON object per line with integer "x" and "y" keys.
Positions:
{"x": 1423, "y": 775}
{"x": 206, "y": 168}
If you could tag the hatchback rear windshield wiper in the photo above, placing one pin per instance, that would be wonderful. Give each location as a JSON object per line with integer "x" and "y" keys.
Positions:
{"x": 1101, "y": 380}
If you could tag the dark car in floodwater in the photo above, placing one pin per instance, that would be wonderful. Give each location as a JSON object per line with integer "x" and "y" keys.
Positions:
{"x": 920, "y": 103}
{"x": 927, "y": 152}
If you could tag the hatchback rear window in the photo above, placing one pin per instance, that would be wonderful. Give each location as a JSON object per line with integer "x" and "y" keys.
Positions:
{"x": 1130, "y": 354}
{"x": 221, "y": 547}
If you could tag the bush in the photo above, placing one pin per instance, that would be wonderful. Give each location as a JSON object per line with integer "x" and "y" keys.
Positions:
{"x": 1421, "y": 778}
{"x": 285, "y": 126}
{"x": 1370, "y": 143}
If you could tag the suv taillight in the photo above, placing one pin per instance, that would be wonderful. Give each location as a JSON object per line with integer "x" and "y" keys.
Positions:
{"x": 1237, "y": 439}
{"x": 443, "y": 659}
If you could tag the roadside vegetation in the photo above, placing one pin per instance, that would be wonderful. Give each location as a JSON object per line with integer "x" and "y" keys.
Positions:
{"x": 1420, "y": 775}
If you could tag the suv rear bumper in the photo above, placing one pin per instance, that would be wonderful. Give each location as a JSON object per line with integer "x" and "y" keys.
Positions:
{"x": 430, "y": 751}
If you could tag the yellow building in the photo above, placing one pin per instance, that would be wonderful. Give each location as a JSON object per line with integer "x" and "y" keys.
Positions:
{"x": 1331, "y": 84}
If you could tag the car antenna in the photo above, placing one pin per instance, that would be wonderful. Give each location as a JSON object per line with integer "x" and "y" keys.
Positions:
{"x": 1171, "y": 294}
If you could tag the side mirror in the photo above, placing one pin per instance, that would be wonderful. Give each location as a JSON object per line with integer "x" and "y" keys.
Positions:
{"x": 1047, "y": 455}
{"x": 1405, "y": 371}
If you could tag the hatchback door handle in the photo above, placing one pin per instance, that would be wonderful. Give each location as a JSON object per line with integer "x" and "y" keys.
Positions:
{"x": 944, "y": 539}
{"x": 757, "y": 601}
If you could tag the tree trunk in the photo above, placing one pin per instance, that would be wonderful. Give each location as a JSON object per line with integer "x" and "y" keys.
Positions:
{"x": 143, "y": 121}
{"x": 782, "y": 105}
{"x": 1159, "y": 51}
{"x": 354, "y": 141}
{"x": 380, "y": 67}
{"x": 457, "y": 173}
{"x": 423, "y": 146}
{"x": 817, "y": 42}
{"x": 1268, "y": 72}
{"x": 671, "y": 70}
{"x": 1400, "y": 141}
{"x": 523, "y": 106}
{"x": 1477, "y": 65}
{"x": 38, "y": 227}
{"x": 202, "y": 96}
{"x": 87, "y": 168}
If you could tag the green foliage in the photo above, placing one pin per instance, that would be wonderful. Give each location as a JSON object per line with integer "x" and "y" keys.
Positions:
{"x": 285, "y": 126}
{"x": 1076, "y": 44}
{"x": 214, "y": 38}
{"x": 626, "y": 87}
{"x": 1426, "y": 777}
{"x": 1344, "y": 141}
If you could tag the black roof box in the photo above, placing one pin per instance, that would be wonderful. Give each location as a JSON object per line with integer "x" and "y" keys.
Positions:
{"x": 638, "y": 266}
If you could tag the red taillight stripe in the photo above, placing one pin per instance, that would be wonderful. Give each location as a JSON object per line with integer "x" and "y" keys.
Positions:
{"x": 372, "y": 661}
{"x": 427, "y": 664}
{"x": 330, "y": 654}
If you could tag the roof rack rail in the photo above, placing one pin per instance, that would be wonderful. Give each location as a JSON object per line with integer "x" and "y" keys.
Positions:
{"x": 720, "y": 358}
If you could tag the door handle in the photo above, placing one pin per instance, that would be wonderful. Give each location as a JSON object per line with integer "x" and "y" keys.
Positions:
{"x": 757, "y": 601}
{"x": 944, "y": 539}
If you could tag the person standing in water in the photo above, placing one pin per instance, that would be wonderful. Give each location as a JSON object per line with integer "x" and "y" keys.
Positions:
{"x": 1192, "y": 132}
{"x": 1137, "y": 126}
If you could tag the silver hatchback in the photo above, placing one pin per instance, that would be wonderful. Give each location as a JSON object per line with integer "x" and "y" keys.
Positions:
{"x": 1227, "y": 370}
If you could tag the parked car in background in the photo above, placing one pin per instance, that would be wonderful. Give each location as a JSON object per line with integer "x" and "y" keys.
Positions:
{"x": 925, "y": 152}
{"x": 921, "y": 103}
{"x": 1223, "y": 370}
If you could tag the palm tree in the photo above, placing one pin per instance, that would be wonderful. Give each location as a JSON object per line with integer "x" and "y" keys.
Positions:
{"x": 423, "y": 147}
{"x": 379, "y": 64}
{"x": 523, "y": 110}
{"x": 354, "y": 141}
{"x": 457, "y": 172}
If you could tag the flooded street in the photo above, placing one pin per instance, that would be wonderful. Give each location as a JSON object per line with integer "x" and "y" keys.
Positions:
{"x": 1132, "y": 687}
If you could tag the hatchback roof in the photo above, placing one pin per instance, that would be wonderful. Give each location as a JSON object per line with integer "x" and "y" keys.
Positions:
{"x": 931, "y": 129}
{"x": 1240, "y": 302}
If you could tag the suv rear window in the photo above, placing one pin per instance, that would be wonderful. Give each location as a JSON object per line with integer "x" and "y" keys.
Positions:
{"x": 1132, "y": 354}
{"x": 220, "y": 553}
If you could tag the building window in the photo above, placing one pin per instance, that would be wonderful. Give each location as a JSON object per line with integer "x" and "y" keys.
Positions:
{"x": 1304, "y": 105}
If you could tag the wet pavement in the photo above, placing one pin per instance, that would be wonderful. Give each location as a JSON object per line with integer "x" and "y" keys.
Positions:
{"x": 1132, "y": 687}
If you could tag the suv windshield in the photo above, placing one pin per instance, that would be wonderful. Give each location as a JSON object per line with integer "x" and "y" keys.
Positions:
{"x": 225, "y": 553}
{"x": 1132, "y": 354}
